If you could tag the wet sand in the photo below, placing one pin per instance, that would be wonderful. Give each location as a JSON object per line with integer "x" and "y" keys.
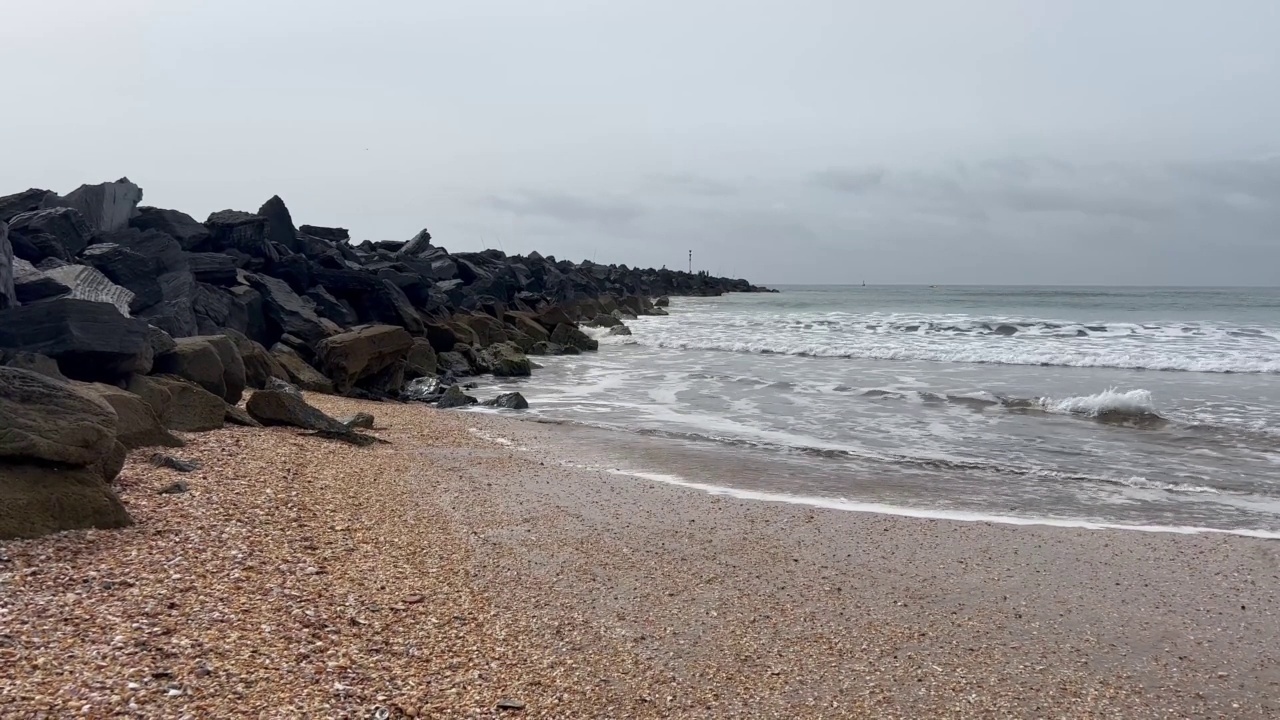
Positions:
{"x": 475, "y": 560}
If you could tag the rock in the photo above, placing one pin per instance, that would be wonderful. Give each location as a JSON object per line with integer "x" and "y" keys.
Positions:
{"x": 38, "y": 500}
{"x": 213, "y": 268}
{"x": 363, "y": 354}
{"x": 106, "y": 206}
{"x": 454, "y": 397}
{"x": 544, "y": 348}
{"x": 505, "y": 360}
{"x": 109, "y": 467}
{"x": 453, "y": 362}
{"x": 359, "y": 420}
{"x": 327, "y": 306}
{"x": 418, "y": 245}
{"x": 54, "y": 232}
{"x": 1005, "y": 330}
{"x": 566, "y": 350}
{"x": 236, "y": 230}
{"x": 424, "y": 389}
{"x": 189, "y": 233}
{"x": 287, "y": 313}
{"x": 420, "y": 361}
{"x": 570, "y": 336}
{"x": 90, "y": 341}
{"x": 195, "y": 359}
{"x": 137, "y": 424}
{"x": 280, "y": 227}
{"x": 33, "y": 362}
{"x": 335, "y": 235}
{"x": 510, "y": 704}
{"x": 190, "y": 408}
{"x": 348, "y": 436}
{"x": 44, "y": 420}
{"x": 605, "y": 321}
{"x": 662, "y": 302}
{"x": 259, "y": 365}
{"x": 510, "y": 401}
{"x": 176, "y": 488}
{"x": 619, "y": 330}
{"x": 85, "y": 283}
{"x": 488, "y": 331}
{"x": 25, "y": 201}
{"x": 299, "y": 372}
{"x": 528, "y": 326}
{"x": 441, "y": 337}
{"x": 8, "y": 297}
{"x": 162, "y": 460}
{"x": 31, "y": 285}
{"x": 280, "y": 407}
{"x": 128, "y": 269}
{"x": 237, "y": 415}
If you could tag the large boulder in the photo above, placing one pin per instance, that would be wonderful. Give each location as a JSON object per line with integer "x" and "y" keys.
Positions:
{"x": 328, "y": 306}
{"x": 528, "y": 326}
{"x": 82, "y": 283}
{"x": 570, "y": 336}
{"x": 299, "y": 371}
{"x": 53, "y": 232}
{"x": 189, "y": 407}
{"x": 25, "y": 201}
{"x": 289, "y": 314}
{"x": 421, "y": 360}
{"x": 352, "y": 357}
{"x": 41, "y": 499}
{"x": 90, "y": 341}
{"x": 259, "y": 364}
{"x": 212, "y": 362}
{"x": 8, "y": 298}
{"x": 282, "y": 405}
{"x": 453, "y": 362}
{"x": 137, "y": 424}
{"x": 128, "y": 269}
{"x": 280, "y": 227}
{"x": 241, "y": 231}
{"x": 42, "y": 419}
{"x": 417, "y": 245}
{"x": 213, "y": 268}
{"x": 189, "y": 233}
{"x": 453, "y": 397}
{"x": 488, "y": 330}
{"x": 505, "y": 360}
{"x": 106, "y": 206}
{"x": 509, "y": 401}
{"x": 33, "y": 362}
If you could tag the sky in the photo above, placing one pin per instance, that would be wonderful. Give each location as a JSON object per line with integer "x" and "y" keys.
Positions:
{"x": 1128, "y": 142}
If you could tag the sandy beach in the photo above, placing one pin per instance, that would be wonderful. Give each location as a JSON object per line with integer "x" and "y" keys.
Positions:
{"x": 480, "y": 566}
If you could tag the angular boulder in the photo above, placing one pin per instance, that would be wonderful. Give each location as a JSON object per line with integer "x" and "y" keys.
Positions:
{"x": 570, "y": 336}
{"x": 86, "y": 283}
{"x": 662, "y": 302}
{"x": 107, "y": 206}
{"x": 506, "y": 360}
{"x": 189, "y": 233}
{"x": 53, "y": 232}
{"x": 280, "y": 227}
{"x": 453, "y": 362}
{"x": 90, "y": 341}
{"x": 488, "y": 330}
{"x": 213, "y": 268}
{"x": 33, "y": 362}
{"x": 25, "y": 201}
{"x": 212, "y": 362}
{"x": 242, "y": 231}
{"x": 42, "y": 419}
{"x": 289, "y": 314}
{"x": 38, "y": 500}
{"x": 299, "y": 372}
{"x": 190, "y": 408}
{"x": 453, "y": 397}
{"x": 509, "y": 401}
{"x": 280, "y": 406}
{"x": 363, "y": 353}
{"x": 8, "y": 298}
{"x": 421, "y": 360}
{"x": 137, "y": 424}
{"x": 328, "y": 306}
{"x": 259, "y": 365}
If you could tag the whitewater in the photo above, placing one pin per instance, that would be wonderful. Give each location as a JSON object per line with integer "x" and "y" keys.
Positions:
{"x": 1118, "y": 407}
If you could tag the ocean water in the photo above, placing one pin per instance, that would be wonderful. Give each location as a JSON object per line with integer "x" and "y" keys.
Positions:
{"x": 1116, "y": 406}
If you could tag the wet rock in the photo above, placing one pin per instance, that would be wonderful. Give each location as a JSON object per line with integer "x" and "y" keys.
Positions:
{"x": 89, "y": 341}
{"x": 1005, "y": 330}
{"x": 570, "y": 336}
{"x": 453, "y": 362}
{"x": 605, "y": 321}
{"x": 510, "y": 401}
{"x": 424, "y": 389}
{"x": 619, "y": 330}
{"x": 454, "y": 397}
{"x": 662, "y": 302}
{"x": 505, "y": 360}
{"x": 359, "y": 420}
{"x": 421, "y": 360}
{"x": 162, "y": 460}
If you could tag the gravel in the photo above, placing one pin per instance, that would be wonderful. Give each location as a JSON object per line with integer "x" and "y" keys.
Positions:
{"x": 472, "y": 568}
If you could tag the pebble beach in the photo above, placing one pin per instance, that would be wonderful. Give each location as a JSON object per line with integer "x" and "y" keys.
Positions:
{"x": 473, "y": 567}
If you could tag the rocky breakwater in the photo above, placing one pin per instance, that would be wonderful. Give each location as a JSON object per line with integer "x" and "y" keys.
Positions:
{"x": 123, "y": 326}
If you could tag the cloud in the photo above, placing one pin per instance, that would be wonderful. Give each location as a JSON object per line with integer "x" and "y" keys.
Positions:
{"x": 847, "y": 180}
{"x": 693, "y": 184}
{"x": 567, "y": 207}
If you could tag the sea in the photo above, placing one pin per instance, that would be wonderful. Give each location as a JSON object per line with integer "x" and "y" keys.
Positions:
{"x": 1144, "y": 408}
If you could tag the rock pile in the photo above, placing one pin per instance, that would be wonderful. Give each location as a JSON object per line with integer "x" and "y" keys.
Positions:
{"x": 121, "y": 324}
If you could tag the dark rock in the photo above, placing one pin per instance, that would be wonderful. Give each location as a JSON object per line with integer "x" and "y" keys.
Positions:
{"x": 216, "y": 309}
{"x": 287, "y": 313}
{"x": 454, "y": 397}
{"x": 453, "y": 362}
{"x": 137, "y": 424}
{"x": 109, "y": 467}
{"x": 280, "y": 407}
{"x": 510, "y": 401}
{"x": 129, "y": 270}
{"x": 259, "y": 365}
{"x": 189, "y": 233}
{"x": 299, "y": 371}
{"x": 510, "y": 704}
{"x": 662, "y": 302}
{"x": 421, "y": 360}
{"x": 8, "y": 298}
{"x": 67, "y": 229}
{"x": 424, "y": 389}
{"x": 565, "y": 350}
{"x": 348, "y": 436}
{"x": 327, "y": 306}
{"x": 234, "y": 374}
{"x": 33, "y": 362}
{"x": 196, "y": 359}
{"x": 42, "y": 419}
{"x": 213, "y": 268}
{"x": 619, "y": 330}
{"x": 80, "y": 282}
{"x": 38, "y": 500}
{"x": 242, "y": 231}
{"x": 25, "y": 201}
{"x": 441, "y": 337}
{"x": 354, "y": 357}
{"x": 170, "y": 462}
{"x": 105, "y": 206}
{"x": 336, "y": 235}
{"x": 280, "y": 227}
{"x": 505, "y": 360}
{"x": 251, "y": 302}
{"x": 605, "y": 321}
{"x": 90, "y": 341}
{"x": 237, "y": 415}
{"x": 1005, "y": 330}
{"x": 488, "y": 331}
{"x": 570, "y": 336}
{"x": 32, "y": 285}
{"x": 176, "y": 488}
{"x": 190, "y": 408}
{"x": 359, "y": 420}
{"x": 418, "y": 245}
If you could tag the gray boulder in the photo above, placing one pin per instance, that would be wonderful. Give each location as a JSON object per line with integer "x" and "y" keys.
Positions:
{"x": 619, "y": 330}
{"x": 510, "y": 401}
{"x": 280, "y": 227}
{"x": 453, "y": 362}
{"x": 107, "y": 206}
{"x": 53, "y": 232}
{"x": 419, "y": 244}
{"x": 570, "y": 336}
{"x": 211, "y": 362}
{"x": 90, "y": 341}
{"x": 34, "y": 362}
{"x": 86, "y": 283}
{"x": 259, "y": 365}
{"x": 25, "y": 201}
{"x": 189, "y": 233}
{"x": 240, "y": 231}
{"x": 282, "y": 407}
{"x": 38, "y": 500}
{"x": 8, "y": 298}
{"x": 662, "y": 302}
{"x": 453, "y": 397}
{"x": 186, "y": 407}
{"x": 137, "y": 424}
{"x": 213, "y": 268}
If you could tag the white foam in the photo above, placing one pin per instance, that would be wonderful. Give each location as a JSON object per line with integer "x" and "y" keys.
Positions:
{"x": 929, "y": 514}
{"x": 1110, "y": 401}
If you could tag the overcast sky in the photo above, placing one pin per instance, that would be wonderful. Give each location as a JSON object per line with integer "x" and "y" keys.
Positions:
{"x": 1073, "y": 142}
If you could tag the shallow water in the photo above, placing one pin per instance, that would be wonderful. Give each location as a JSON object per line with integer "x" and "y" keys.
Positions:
{"x": 1117, "y": 406}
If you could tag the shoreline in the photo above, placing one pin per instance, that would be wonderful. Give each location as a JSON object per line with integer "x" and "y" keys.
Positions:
{"x": 448, "y": 571}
